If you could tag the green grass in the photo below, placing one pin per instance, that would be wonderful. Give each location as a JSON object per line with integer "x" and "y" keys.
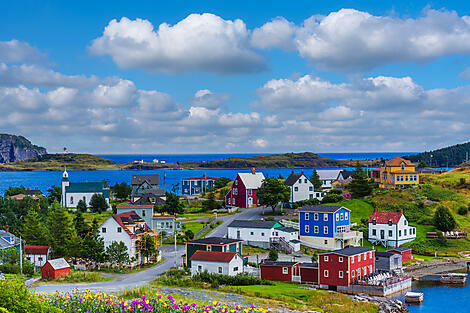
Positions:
{"x": 77, "y": 277}
{"x": 193, "y": 226}
{"x": 249, "y": 250}
{"x": 100, "y": 217}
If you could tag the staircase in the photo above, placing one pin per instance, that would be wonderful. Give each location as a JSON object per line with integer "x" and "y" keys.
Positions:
{"x": 281, "y": 245}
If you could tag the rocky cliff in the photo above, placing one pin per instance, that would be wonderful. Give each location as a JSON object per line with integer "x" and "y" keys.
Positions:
{"x": 17, "y": 148}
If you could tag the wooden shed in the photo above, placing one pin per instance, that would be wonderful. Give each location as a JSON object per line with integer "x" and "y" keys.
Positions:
{"x": 56, "y": 268}
{"x": 309, "y": 273}
{"x": 404, "y": 251}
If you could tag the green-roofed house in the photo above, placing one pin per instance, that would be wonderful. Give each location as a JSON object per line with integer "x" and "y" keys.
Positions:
{"x": 74, "y": 192}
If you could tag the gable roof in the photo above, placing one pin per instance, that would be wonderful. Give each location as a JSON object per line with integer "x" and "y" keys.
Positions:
{"x": 350, "y": 251}
{"x": 252, "y": 181}
{"x": 382, "y": 254}
{"x": 213, "y": 256}
{"x": 33, "y": 192}
{"x": 145, "y": 198}
{"x": 287, "y": 229}
{"x": 309, "y": 265}
{"x": 321, "y": 208}
{"x": 131, "y": 219}
{"x": 8, "y": 240}
{"x": 58, "y": 264}
{"x": 328, "y": 174}
{"x": 267, "y": 262}
{"x": 95, "y": 187}
{"x": 346, "y": 174}
{"x": 215, "y": 241}
{"x": 253, "y": 224}
{"x": 384, "y": 217}
{"x": 400, "y": 249}
{"x": 200, "y": 178}
{"x": 293, "y": 178}
{"x": 397, "y": 161}
{"x": 152, "y": 179}
{"x": 43, "y": 250}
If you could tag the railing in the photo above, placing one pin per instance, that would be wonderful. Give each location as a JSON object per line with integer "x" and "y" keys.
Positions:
{"x": 296, "y": 279}
{"x": 349, "y": 234}
{"x": 288, "y": 223}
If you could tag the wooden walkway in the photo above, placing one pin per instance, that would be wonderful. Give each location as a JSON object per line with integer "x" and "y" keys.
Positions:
{"x": 436, "y": 267}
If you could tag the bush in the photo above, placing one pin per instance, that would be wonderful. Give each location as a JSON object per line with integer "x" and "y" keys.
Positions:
{"x": 15, "y": 297}
{"x": 332, "y": 198}
{"x": 463, "y": 210}
{"x": 273, "y": 255}
{"x": 443, "y": 219}
{"x": 242, "y": 279}
{"x": 299, "y": 204}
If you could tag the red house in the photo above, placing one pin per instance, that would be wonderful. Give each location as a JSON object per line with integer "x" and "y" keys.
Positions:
{"x": 279, "y": 271}
{"x": 309, "y": 273}
{"x": 56, "y": 268}
{"x": 242, "y": 193}
{"x": 343, "y": 267}
{"x": 404, "y": 251}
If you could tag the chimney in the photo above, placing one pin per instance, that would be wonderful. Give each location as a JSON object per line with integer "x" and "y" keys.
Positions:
{"x": 253, "y": 170}
{"x": 302, "y": 172}
{"x": 7, "y": 229}
{"x": 292, "y": 171}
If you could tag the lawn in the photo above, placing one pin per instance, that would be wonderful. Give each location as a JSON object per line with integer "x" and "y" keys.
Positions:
{"x": 77, "y": 276}
{"x": 193, "y": 226}
{"x": 100, "y": 217}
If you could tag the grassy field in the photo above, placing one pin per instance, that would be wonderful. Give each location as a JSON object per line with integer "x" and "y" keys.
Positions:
{"x": 100, "y": 217}
{"x": 58, "y": 161}
{"x": 77, "y": 277}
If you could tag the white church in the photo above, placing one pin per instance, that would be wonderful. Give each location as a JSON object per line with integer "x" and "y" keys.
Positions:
{"x": 74, "y": 192}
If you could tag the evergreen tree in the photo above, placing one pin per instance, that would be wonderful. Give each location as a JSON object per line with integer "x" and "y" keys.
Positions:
{"x": 43, "y": 208}
{"x": 34, "y": 232}
{"x": 443, "y": 219}
{"x": 271, "y": 192}
{"x": 121, "y": 191}
{"x": 172, "y": 205}
{"x": 210, "y": 204}
{"x": 273, "y": 255}
{"x": 54, "y": 194}
{"x": 117, "y": 253}
{"x": 93, "y": 244}
{"x": 315, "y": 179}
{"x": 360, "y": 185}
{"x": 81, "y": 206}
{"x": 81, "y": 227}
{"x": 62, "y": 235}
{"x": 221, "y": 182}
{"x": 98, "y": 203}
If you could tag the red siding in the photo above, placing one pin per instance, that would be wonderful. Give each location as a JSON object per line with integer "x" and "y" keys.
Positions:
{"x": 48, "y": 272}
{"x": 309, "y": 275}
{"x": 272, "y": 272}
{"x": 334, "y": 266}
{"x": 405, "y": 256}
{"x": 241, "y": 199}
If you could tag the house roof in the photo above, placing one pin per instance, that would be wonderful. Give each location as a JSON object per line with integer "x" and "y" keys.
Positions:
{"x": 383, "y": 254}
{"x": 328, "y": 174}
{"x": 397, "y": 161}
{"x": 215, "y": 241}
{"x": 346, "y": 174}
{"x": 252, "y": 181}
{"x": 43, "y": 250}
{"x": 400, "y": 249}
{"x": 33, "y": 192}
{"x": 253, "y": 224}
{"x": 157, "y": 216}
{"x": 21, "y": 196}
{"x": 277, "y": 263}
{"x": 310, "y": 265}
{"x": 287, "y": 229}
{"x": 384, "y": 217}
{"x": 404, "y": 172}
{"x": 151, "y": 179}
{"x": 131, "y": 219}
{"x": 145, "y": 198}
{"x": 58, "y": 264}
{"x": 200, "y": 178}
{"x": 213, "y": 256}
{"x": 87, "y": 188}
{"x": 294, "y": 177}
{"x": 139, "y": 206}
{"x": 321, "y": 208}
{"x": 10, "y": 242}
{"x": 350, "y": 251}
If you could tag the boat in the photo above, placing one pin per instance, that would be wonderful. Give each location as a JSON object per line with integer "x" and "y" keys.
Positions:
{"x": 453, "y": 278}
{"x": 414, "y": 297}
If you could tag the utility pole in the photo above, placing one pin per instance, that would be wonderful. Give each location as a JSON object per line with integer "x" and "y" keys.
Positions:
{"x": 21, "y": 256}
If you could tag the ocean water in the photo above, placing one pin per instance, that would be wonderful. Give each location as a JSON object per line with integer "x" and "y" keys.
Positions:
{"x": 173, "y": 158}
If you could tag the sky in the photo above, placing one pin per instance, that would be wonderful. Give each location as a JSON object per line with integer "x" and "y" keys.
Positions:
{"x": 235, "y": 76}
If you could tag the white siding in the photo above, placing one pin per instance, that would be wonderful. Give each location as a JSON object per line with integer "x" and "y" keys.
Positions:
{"x": 73, "y": 198}
{"x": 112, "y": 234}
{"x": 37, "y": 259}
{"x": 394, "y": 239}
{"x": 213, "y": 267}
{"x": 302, "y": 189}
{"x": 250, "y": 234}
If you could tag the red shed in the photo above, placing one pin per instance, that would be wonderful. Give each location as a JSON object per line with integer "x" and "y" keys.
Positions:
{"x": 279, "y": 271}
{"x": 56, "y": 268}
{"x": 404, "y": 251}
{"x": 309, "y": 273}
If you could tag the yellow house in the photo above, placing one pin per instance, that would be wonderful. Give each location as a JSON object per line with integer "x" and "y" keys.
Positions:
{"x": 397, "y": 172}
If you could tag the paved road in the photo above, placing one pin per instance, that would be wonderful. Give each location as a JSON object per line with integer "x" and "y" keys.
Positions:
{"x": 125, "y": 281}
{"x": 245, "y": 214}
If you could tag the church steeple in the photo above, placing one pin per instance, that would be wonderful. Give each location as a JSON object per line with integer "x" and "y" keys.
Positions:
{"x": 65, "y": 175}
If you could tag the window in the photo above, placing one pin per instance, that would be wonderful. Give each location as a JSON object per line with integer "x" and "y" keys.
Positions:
{"x": 235, "y": 269}
{"x": 220, "y": 270}
{"x": 342, "y": 216}
{"x": 406, "y": 222}
{"x": 403, "y": 167}
{"x": 71, "y": 200}
{"x": 235, "y": 191}
{"x": 325, "y": 217}
{"x": 285, "y": 270}
{"x": 307, "y": 228}
{"x": 370, "y": 268}
{"x": 325, "y": 273}
{"x": 250, "y": 192}
{"x": 390, "y": 223}
{"x": 405, "y": 232}
{"x": 340, "y": 259}
{"x": 346, "y": 216}
{"x": 325, "y": 229}
{"x": 315, "y": 216}
{"x": 399, "y": 233}
{"x": 374, "y": 222}
{"x": 406, "y": 177}
{"x": 262, "y": 234}
{"x": 143, "y": 212}
{"x": 40, "y": 258}
{"x": 310, "y": 188}
{"x": 358, "y": 272}
{"x": 307, "y": 216}
{"x": 340, "y": 273}
{"x": 103, "y": 230}
{"x": 326, "y": 242}
{"x": 352, "y": 262}
{"x": 390, "y": 233}
{"x": 236, "y": 182}
{"x": 315, "y": 229}
{"x": 119, "y": 230}
{"x": 310, "y": 196}
{"x": 337, "y": 217}
{"x": 374, "y": 232}
{"x": 305, "y": 180}
{"x": 228, "y": 201}
{"x": 199, "y": 268}
{"x": 370, "y": 254}
{"x": 251, "y": 233}
{"x": 353, "y": 273}
{"x": 300, "y": 181}
{"x": 325, "y": 258}
{"x": 359, "y": 258}
{"x": 84, "y": 199}
{"x": 296, "y": 188}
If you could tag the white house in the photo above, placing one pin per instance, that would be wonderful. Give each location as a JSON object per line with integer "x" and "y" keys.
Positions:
{"x": 327, "y": 177}
{"x": 390, "y": 229}
{"x": 128, "y": 228}
{"x": 264, "y": 234}
{"x": 74, "y": 192}
{"x": 224, "y": 263}
{"x": 37, "y": 255}
{"x": 301, "y": 188}
{"x": 157, "y": 222}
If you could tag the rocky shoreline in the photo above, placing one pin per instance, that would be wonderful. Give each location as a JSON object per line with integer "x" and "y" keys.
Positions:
{"x": 386, "y": 305}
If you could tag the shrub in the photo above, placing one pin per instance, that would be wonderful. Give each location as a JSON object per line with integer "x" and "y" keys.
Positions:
{"x": 242, "y": 279}
{"x": 463, "y": 210}
{"x": 299, "y": 204}
{"x": 273, "y": 255}
{"x": 443, "y": 219}
{"x": 332, "y": 198}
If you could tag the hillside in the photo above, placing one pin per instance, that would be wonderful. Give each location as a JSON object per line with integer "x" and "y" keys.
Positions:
{"x": 449, "y": 156}
{"x": 287, "y": 160}
{"x": 18, "y": 148}
{"x": 58, "y": 161}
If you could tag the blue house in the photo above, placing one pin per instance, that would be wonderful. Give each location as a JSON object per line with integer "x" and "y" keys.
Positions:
{"x": 197, "y": 185}
{"x": 327, "y": 227}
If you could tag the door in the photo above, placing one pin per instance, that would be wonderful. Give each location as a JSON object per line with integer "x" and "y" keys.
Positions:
{"x": 250, "y": 201}
{"x": 382, "y": 234}
{"x": 238, "y": 234}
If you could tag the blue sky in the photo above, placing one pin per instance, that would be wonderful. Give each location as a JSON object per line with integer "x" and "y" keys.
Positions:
{"x": 333, "y": 76}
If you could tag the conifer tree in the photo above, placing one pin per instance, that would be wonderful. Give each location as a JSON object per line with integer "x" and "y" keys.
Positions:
{"x": 361, "y": 185}
{"x": 62, "y": 235}
{"x": 93, "y": 244}
{"x": 81, "y": 227}
{"x": 34, "y": 232}
{"x": 316, "y": 181}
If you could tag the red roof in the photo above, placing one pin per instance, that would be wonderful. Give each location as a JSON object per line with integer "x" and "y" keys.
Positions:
{"x": 134, "y": 206}
{"x": 200, "y": 178}
{"x": 128, "y": 216}
{"x": 384, "y": 217}
{"x": 213, "y": 256}
{"x": 43, "y": 250}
